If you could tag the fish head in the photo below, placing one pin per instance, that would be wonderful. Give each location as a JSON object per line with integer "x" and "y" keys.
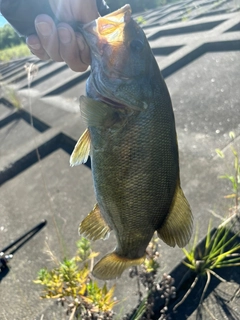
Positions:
{"x": 120, "y": 59}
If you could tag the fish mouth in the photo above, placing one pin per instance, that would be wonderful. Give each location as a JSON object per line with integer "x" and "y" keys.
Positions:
{"x": 110, "y": 27}
{"x": 106, "y": 38}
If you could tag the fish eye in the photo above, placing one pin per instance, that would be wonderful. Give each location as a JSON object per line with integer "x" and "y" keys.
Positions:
{"x": 136, "y": 45}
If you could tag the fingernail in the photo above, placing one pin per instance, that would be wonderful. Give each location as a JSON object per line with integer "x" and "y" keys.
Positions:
{"x": 44, "y": 28}
{"x": 64, "y": 35}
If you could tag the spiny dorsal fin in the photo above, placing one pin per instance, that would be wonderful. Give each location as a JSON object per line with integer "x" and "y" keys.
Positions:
{"x": 95, "y": 113}
{"x": 112, "y": 266}
{"x": 94, "y": 226}
{"x": 177, "y": 228}
{"x": 81, "y": 150}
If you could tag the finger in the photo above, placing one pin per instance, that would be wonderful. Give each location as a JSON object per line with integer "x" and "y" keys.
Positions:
{"x": 48, "y": 36}
{"x": 84, "y": 49}
{"x": 36, "y": 48}
{"x": 69, "y": 49}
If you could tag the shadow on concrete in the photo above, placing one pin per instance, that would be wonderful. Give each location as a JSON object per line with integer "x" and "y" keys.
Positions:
{"x": 60, "y": 141}
{"x": 22, "y": 114}
{"x": 184, "y": 278}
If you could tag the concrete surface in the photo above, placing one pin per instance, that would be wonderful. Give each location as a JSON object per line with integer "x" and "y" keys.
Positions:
{"x": 198, "y": 53}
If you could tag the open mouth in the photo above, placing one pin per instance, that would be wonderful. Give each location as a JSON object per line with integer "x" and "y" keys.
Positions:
{"x": 110, "y": 27}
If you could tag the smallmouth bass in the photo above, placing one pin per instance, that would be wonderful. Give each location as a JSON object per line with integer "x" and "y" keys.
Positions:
{"x": 131, "y": 139}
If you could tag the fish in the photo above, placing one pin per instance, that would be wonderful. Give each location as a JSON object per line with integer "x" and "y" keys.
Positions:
{"x": 132, "y": 142}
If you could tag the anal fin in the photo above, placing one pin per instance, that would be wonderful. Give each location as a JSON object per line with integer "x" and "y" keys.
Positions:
{"x": 81, "y": 150}
{"x": 94, "y": 226}
{"x": 177, "y": 228}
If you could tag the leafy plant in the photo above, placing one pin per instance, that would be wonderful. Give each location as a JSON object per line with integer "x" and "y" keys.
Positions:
{"x": 219, "y": 251}
{"x": 70, "y": 283}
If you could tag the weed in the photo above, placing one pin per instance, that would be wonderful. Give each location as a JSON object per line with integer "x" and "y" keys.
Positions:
{"x": 71, "y": 284}
{"x": 147, "y": 276}
{"x": 220, "y": 250}
{"x": 11, "y": 95}
{"x": 32, "y": 71}
{"x": 141, "y": 20}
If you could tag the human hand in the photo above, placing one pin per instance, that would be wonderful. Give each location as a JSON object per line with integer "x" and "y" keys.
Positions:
{"x": 61, "y": 43}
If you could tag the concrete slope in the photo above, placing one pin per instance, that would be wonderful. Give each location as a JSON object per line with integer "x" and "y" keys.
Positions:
{"x": 196, "y": 44}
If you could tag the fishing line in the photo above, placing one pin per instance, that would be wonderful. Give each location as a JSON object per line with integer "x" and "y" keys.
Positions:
{"x": 31, "y": 72}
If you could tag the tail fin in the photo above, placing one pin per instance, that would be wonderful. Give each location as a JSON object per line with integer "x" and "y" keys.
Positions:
{"x": 112, "y": 266}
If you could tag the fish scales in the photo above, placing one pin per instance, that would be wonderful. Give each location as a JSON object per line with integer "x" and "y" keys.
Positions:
{"x": 143, "y": 180}
{"x": 132, "y": 141}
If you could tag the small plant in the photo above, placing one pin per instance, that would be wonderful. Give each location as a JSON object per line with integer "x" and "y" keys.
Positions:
{"x": 234, "y": 178}
{"x": 141, "y": 20}
{"x": 11, "y": 95}
{"x": 147, "y": 276}
{"x": 71, "y": 284}
{"x": 31, "y": 70}
{"x": 220, "y": 250}
{"x": 188, "y": 12}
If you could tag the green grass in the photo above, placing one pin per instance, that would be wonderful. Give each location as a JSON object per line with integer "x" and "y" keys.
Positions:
{"x": 221, "y": 250}
{"x": 14, "y": 52}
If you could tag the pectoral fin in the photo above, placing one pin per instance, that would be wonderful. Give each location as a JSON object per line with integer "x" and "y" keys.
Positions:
{"x": 94, "y": 226}
{"x": 177, "y": 228}
{"x": 112, "y": 266}
{"x": 96, "y": 113}
{"x": 81, "y": 150}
